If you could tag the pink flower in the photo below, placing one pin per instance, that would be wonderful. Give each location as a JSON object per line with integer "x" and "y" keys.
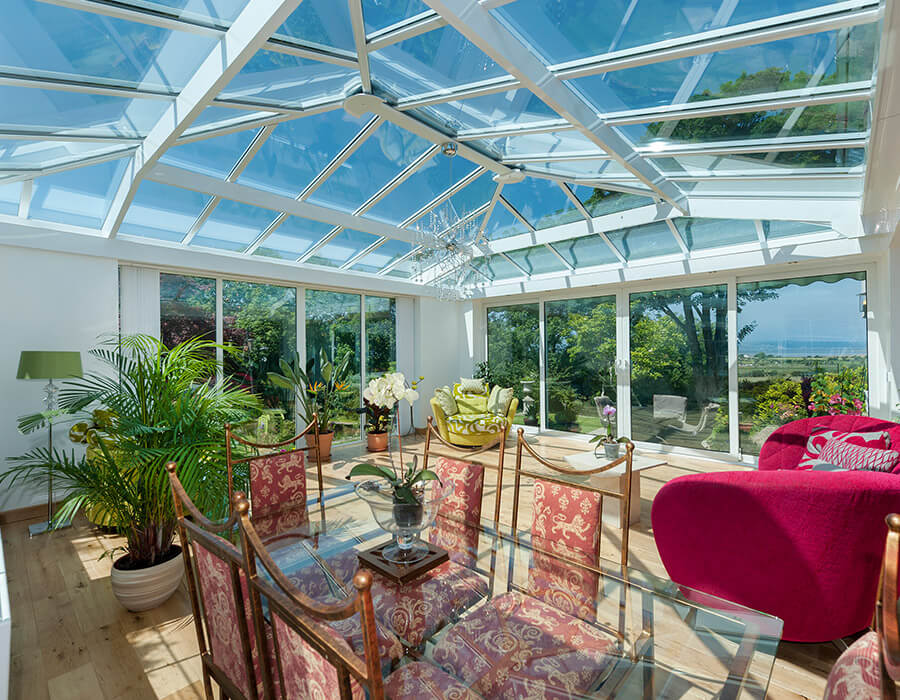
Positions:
{"x": 609, "y": 411}
{"x": 811, "y": 407}
{"x": 857, "y": 404}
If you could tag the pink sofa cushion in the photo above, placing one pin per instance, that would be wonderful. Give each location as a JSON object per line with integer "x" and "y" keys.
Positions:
{"x": 820, "y": 437}
{"x": 785, "y": 447}
{"x": 848, "y": 456}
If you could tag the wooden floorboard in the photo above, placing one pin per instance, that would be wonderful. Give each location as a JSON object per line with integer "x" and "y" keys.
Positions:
{"x": 72, "y": 640}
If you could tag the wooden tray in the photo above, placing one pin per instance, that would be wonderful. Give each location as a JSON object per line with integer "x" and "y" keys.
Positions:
{"x": 401, "y": 573}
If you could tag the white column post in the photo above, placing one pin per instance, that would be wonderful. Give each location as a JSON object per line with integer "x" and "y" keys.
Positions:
{"x": 623, "y": 363}
{"x": 734, "y": 438}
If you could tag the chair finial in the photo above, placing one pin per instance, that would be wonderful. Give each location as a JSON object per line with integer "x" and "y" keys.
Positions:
{"x": 363, "y": 580}
{"x": 893, "y": 522}
{"x": 171, "y": 467}
{"x": 241, "y": 504}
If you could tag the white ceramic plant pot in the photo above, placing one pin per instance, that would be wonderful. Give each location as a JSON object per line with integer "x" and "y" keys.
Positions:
{"x": 144, "y": 589}
{"x": 611, "y": 449}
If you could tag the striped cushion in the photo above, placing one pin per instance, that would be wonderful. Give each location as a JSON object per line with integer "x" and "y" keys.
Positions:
{"x": 848, "y": 456}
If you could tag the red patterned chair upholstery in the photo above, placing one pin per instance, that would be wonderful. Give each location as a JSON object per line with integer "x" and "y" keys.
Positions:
{"x": 869, "y": 669}
{"x": 425, "y": 681}
{"x": 802, "y": 545}
{"x": 277, "y": 480}
{"x": 536, "y": 643}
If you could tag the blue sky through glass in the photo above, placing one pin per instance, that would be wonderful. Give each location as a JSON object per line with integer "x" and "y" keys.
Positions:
{"x": 80, "y": 197}
{"x": 9, "y": 198}
{"x": 214, "y": 156}
{"x": 163, "y": 212}
{"x": 293, "y": 238}
{"x": 541, "y": 202}
{"x": 232, "y": 226}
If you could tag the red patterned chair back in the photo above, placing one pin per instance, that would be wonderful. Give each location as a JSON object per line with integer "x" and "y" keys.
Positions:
{"x": 870, "y": 667}
{"x": 456, "y": 525}
{"x": 567, "y": 517}
{"x": 277, "y": 479}
{"x": 467, "y": 475}
{"x": 219, "y": 599}
{"x": 310, "y": 659}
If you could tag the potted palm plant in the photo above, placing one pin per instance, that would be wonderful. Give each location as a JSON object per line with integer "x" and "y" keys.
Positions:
{"x": 316, "y": 397}
{"x": 162, "y": 405}
{"x": 380, "y": 396}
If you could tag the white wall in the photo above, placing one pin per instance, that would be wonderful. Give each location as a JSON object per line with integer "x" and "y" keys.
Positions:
{"x": 51, "y": 301}
{"x": 441, "y": 348}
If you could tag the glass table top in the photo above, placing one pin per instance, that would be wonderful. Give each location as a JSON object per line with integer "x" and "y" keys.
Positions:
{"x": 663, "y": 639}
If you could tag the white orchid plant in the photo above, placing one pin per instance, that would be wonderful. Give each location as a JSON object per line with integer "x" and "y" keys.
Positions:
{"x": 382, "y": 396}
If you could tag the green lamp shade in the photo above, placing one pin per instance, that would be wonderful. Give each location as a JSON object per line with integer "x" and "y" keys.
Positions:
{"x": 44, "y": 364}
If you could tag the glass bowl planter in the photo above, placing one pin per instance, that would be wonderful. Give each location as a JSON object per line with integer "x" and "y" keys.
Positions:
{"x": 405, "y": 521}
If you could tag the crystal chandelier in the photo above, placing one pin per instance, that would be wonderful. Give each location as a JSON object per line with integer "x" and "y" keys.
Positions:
{"x": 444, "y": 241}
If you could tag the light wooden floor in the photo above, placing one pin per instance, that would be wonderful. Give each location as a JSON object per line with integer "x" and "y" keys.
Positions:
{"x": 72, "y": 640}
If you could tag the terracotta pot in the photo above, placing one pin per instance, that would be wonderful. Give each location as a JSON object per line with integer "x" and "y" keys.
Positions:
{"x": 144, "y": 589}
{"x": 325, "y": 440}
{"x": 376, "y": 442}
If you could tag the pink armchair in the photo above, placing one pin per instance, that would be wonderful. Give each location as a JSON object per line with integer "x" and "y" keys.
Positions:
{"x": 805, "y": 546}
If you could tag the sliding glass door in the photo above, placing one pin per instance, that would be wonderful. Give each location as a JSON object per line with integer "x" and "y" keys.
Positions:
{"x": 513, "y": 355}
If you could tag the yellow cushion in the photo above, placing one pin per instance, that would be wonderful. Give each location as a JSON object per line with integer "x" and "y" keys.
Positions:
{"x": 469, "y": 404}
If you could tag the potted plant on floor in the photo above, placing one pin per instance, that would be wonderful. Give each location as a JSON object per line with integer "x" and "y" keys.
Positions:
{"x": 163, "y": 405}
{"x": 611, "y": 444}
{"x": 316, "y": 397}
{"x": 380, "y": 396}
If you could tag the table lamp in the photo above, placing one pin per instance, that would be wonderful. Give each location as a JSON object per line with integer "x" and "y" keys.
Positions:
{"x": 50, "y": 365}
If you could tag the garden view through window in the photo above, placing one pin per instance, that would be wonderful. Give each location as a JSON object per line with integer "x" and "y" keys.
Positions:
{"x": 801, "y": 352}
{"x": 513, "y": 356}
{"x": 679, "y": 367}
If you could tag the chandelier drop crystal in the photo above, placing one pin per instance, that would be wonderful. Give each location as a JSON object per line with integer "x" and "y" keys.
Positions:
{"x": 444, "y": 243}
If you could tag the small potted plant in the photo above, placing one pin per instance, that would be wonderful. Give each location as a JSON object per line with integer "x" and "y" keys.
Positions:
{"x": 316, "y": 397}
{"x": 611, "y": 444}
{"x": 380, "y": 396}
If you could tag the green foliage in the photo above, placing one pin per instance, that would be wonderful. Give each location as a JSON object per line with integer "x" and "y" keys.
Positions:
{"x": 319, "y": 397}
{"x": 161, "y": 405}
{"x": 401, "y": 481}
{"x": 780, "y": 403}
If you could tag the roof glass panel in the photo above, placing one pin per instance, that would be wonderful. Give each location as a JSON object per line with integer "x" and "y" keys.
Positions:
{"x": 299, "y": 150}
{"x": 293, "y": 238}
{"x": 537, "y": 260}
{"x": 214, "y": 156}
{"x": 762, "y": 163}
{"x": 843, "y": 117}
{"x": 223, "y": 116}
{"x": 80, "y": 196}
{"x": 498, "y": 267}
{"x": 383, "y": 255}
{"x": 435, "y": 60}
{"x": 9, "y": 198}
{"x": 644, "y": 241}
{"x": 342, "y": 248}
{"x": 42, "y": 154}
{"x": 323, "y": 22}
{"x": 281, "y": 79}
{"x": 100, "y": 115}
{"x": 188, "y": 9}
{"x": 542, "y": 202}
{"x": 599, "y": 201}
{"x": 232, "y": 226}
{"x": 828, "y": 58}
{"x": 548, "y": 145}
{"x": 379, "y": 14}
{"x": 783, "y": 229}
{"x": 713, "y": 233}
{"x": 433, "y": 178}
{"x": 403, "y": 270}
{"x": 163, "y": 212}
{"x": 583, "y": 169}
{"x": 503, "y": 224}
{"x": 514, "y": 107}
{"x": 564, "y": 30}
{"x": 586, "y": 251}
{"x": 384, "y": 154}
{"x": 63, "y": 42}
{"x": 473, "y": 195}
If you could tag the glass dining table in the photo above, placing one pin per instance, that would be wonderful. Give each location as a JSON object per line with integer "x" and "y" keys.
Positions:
{"x": 643, "y": 637}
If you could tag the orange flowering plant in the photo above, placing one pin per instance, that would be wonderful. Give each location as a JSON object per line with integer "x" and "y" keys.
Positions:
{"x": 319, "y": 396}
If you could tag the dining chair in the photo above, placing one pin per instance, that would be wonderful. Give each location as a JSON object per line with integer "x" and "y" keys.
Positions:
{"x": 870, "y": 667}
{"x": 562, "y": 650}
{"x": 218, "y": 592}
{"x": 310, "y": 659}
{"x": 277, "y": 479}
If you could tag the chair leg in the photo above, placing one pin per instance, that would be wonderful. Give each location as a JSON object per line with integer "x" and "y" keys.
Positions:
{"x": 207, "y": 686}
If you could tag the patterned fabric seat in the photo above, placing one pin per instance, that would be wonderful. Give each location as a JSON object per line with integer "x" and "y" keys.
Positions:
{"x": 424, "y": 681}
{"x": 857, "y": 673}
{"x": 278, "y": 492}
{"x": 520, "y": 647}
{"x": 476, "y": 423}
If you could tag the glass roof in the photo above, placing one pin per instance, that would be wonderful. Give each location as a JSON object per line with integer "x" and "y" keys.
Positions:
{"x": 785, "y": 112}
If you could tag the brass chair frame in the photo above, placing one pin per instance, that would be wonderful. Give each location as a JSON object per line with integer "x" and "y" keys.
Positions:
{"x": 464, "y": 454}
{"x": 887, "y": 618}
{"x": 311, "y": 429}
{"x": 301, "y": 613}
{"x": 206, "y": 532}
{"x": 624, "y": 495}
